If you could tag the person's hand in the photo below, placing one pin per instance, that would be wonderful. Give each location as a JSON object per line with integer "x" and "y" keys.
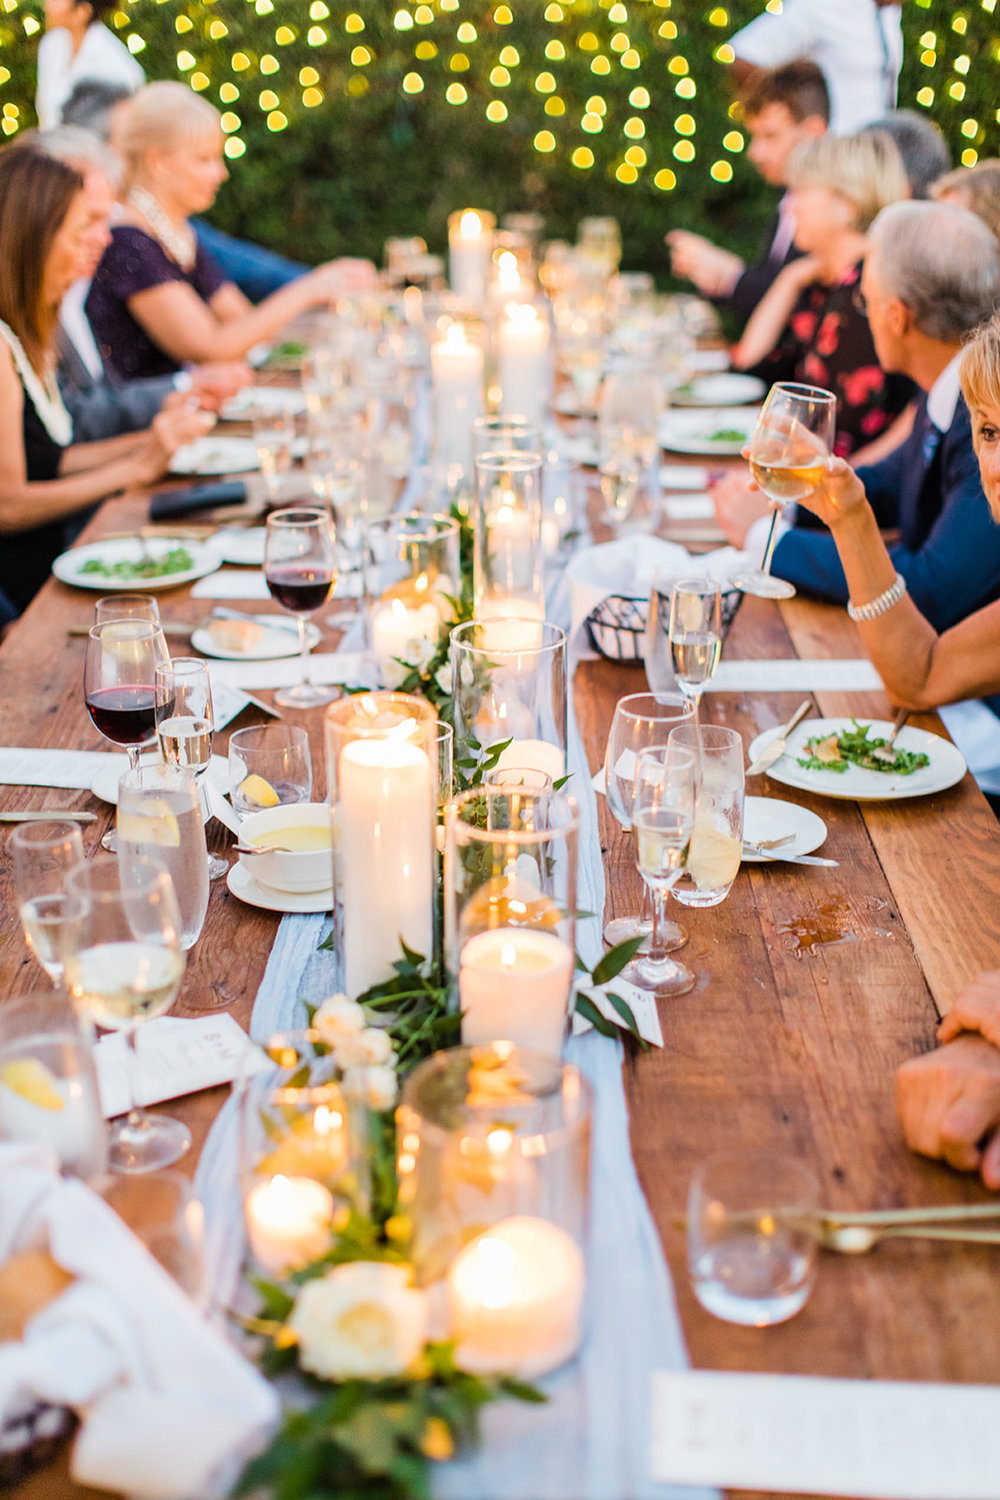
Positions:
{"x": 171, "y": 429}
{"x": 949, "y": 1105}
{"x": 337, "y": 278}
{"x": 714, "y": 271}
{"x": 976, "y": 1009}
{"x": 839, "y": 495}
{"x": 215, "y": 384}
{"x": 738, "y": 503}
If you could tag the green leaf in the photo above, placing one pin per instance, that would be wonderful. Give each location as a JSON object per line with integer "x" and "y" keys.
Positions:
{"x": 615, "y": 960}
{"x": 628, "y": 1016}
{"x": 558, "y": 785}
{"x": 522, "y": 1391}
{"x": 586, "y": 1008}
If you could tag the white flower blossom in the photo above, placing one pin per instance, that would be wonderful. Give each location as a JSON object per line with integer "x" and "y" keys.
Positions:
{"x": 364, "y": 1049}
{"x": 374, "y": 1087}
{"x": 338, "y": 1017}
{"x": 419, "y": 651}
{"x": 443, "y": 678}
{"x": 361, "y": 1321}
{"x": 394, "y": 673}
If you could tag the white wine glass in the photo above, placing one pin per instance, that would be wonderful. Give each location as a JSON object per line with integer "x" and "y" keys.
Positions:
{"x": 641, "y": 720}
{"x": 663, "y": 816}
{"x": 788, "y": 456}
{"x": 695, "y": 634}
{"x": 185, "y": 722}
{"x": 123, "y": 966}
{"x": 44, "y": 853}
{"x": 300, "y": 569}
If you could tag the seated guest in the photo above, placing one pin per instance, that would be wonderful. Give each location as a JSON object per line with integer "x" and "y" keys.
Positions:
{"x": 781, "y": 110}
{"x": 809, "y": 327}
{"x": 44, "y": 476}
{"x": 975, "y": 188}
{"x": 158, "y": 299}
{"x": 932, "y": 275}
{"x": 922, "y": 148}
{"x": 77, "y": 45}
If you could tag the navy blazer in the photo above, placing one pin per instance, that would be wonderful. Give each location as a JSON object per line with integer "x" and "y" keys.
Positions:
{"x": 949, "y": 545}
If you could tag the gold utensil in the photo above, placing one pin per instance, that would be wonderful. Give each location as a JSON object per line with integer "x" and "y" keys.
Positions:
{"x": 858, "y": 1239}
{"x": 48, "y": 815}
{"x": 169, "y": 627}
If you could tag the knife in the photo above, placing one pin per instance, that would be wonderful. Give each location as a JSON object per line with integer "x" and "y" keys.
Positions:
{"x": 48, "y": 815}
{"x": 775, "y": 749}
{"x": 798, "y": 859}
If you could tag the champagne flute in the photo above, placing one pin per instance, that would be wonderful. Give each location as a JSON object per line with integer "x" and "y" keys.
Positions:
{"x": 44, "y": 853}
{"x": 695, "y": 634}
{"x": 123, "y": 965}
{"x": 663, "y": 816}
{"x": 118, "y": 686}
{"x": 641, "y": 720}
{"x": 300, "y": 566}
{"x": 788, "y": 456}
{"x": 185, "y": 720}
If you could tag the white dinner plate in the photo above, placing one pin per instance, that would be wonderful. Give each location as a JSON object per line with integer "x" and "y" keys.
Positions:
{"x": 696, "y": 431}
{"x": 947, "y": 765}
{"x": 579, "y": 449}
{"x": 241, "y": 544}
{"x": 216, "y": 455}
{"x": 728, "y": 389}
{"x": 68, "y": 567}
{"x": 769, "y": 818}
{"x": 569, "y": 403}
{"x": 105, "y": 783}
{"x": 263, "y": 398}
{"x": 276, "y": 642}
{"x": 708, "y": 361}
{"x": 242, "y": 884}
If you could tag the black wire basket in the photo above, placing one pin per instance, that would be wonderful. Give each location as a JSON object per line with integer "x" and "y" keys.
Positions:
{"x": 32, "y": 1439}
{"x": 616, "y": 627}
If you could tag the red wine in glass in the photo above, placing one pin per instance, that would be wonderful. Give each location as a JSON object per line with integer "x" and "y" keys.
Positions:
{"x": 124, "y": 714}
{"x": 118, "y": 678}
{"x": 300, "y": 590}
{"x": 300, "y": 566}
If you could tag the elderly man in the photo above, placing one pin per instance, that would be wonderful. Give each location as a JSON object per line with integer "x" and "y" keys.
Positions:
{"x": 931, "y": 275}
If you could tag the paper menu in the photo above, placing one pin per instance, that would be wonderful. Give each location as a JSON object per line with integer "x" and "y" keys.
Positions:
{"x": 176, "y": 1056}
{"x": 69, "y": 769}
{"x": 882, "y": 1440}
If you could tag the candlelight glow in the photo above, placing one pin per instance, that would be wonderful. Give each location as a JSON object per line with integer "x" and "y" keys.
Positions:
{"x": 471, "y": 223}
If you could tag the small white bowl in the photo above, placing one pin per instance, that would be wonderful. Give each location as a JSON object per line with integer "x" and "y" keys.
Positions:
{"x": 300, "y": 870}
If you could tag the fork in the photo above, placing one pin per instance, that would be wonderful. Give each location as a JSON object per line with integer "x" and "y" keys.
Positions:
{"x": 885, "y": 752}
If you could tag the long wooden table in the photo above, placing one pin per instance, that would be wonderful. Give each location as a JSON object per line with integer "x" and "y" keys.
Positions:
{"x": 813, "y": 984}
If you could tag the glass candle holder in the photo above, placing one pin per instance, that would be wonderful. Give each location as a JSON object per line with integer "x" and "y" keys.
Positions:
{"x": 494, "y": 1176}
{"x": 382, "y": 771}
{"x": 412, "y": 575}
{"x": 458, "y": 394}
{"x": 48, "y": 1083}
{"x": 470, "y": 253}
{"x": 509, "y": 434}
{"x": 507, "y": 573}
{"x": 510, "y": 913}
{"x": 509, "y": 683}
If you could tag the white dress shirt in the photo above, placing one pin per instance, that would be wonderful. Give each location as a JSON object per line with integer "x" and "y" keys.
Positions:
{"x": 100, "y": 56}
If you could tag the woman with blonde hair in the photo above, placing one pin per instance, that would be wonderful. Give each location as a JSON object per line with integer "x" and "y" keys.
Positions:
{"x": 158, "y": 299}
{"x": 45, "y": 221}
{"x": 808, "y": 327}
{"x": 975, "y": 188}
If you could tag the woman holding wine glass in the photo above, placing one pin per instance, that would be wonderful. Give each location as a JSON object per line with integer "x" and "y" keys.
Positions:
{"x": 300, "y": 567}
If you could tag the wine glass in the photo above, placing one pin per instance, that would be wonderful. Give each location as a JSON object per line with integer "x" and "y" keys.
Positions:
{"x": 185, "y": 720}
{"x": 274, "y": 435}
{"x": 717, "y": 837}
{"x": 640, "y": 720}
{"x": 628, "y": 420}
{"x": 118, "y": 686}
{"x": 126, "y": 607}
{"x": 663, "y": 816}
{"x": 695, "y": 634}
{"x": 44, "y": 853}
{"x": 300, "y": 567}
{"x": 124, "y": 965}
{"x": 788, "y": 456}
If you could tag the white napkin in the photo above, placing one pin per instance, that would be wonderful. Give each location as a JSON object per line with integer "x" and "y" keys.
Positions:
{"x": 628, "y": 564}
{"x": 232, "y": 583}
{"x": 790, "y": 675}
{"x": 69, "y": 769}
{"x": 286, "y": 671}
{"x": 169, "y": 1410}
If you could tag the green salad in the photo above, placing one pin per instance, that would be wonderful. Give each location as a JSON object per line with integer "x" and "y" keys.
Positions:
{"x": 852, "y": 747}
{"x": 727, "y": 435}
{"x": 177, "y": 560}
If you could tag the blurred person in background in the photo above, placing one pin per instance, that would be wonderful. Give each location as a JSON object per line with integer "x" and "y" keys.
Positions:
{"x": 975, "y": 188}
{"x": 921, "y": 146}
{"x": 78, "y": 45}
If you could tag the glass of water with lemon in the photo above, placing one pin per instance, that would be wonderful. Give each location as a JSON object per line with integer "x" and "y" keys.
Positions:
{"x": 717, "y": 836}
{"x": 268, "y": 764}
{"x": 160, "y": 814}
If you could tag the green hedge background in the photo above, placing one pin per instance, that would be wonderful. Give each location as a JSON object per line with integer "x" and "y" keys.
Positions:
{"x": 351, "y": 122}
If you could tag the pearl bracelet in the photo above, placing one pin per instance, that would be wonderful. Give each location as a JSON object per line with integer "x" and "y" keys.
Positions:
{"x": 882, "y": 604}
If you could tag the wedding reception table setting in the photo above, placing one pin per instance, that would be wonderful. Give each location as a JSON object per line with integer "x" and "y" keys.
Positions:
{"x": 413, "y": 1157}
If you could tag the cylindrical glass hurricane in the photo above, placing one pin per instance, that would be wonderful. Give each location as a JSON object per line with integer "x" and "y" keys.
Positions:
{"x": 510, "y": 913}
{"x": 507, "y": 574}
{"x": 412, "y": 575}
{"x": 494, "y": 1174}
{"x": 382, "y": 771}
{"x": 509, "y": 684}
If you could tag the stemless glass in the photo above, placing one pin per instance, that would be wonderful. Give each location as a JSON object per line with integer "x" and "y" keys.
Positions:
{"x": 123, "y": 967}
{"x": 641, "y": 721}
{"x": 126, "y": 607}
{"x": 268, "y": 764}
{"x": 628, "y": 437}
{"x": 48, "y": 1083}
{"x": 274, "y": 435}
{"x": 788, "y": 456}
{"x": 695, "y": 633}
{"x": 185, "y": 721}
{"x": 717, "y": 840}
{"x": 44, "y": 853}
{"x": 663, "y": 815}
{"x": 300, "y": 566}
{"x": 160, "y": 814}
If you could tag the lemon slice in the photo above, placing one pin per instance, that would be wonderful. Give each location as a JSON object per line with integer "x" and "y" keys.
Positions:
{"x": 713, "y": 858}
{"x": 33, "y": 1081}
{"x": 256, "y": 789}
{"x": 156, "y": 825}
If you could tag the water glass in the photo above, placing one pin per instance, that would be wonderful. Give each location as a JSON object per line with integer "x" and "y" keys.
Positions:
{"x": 44, "y": 853}
{"x": 717, "y": 840}
{"x": 160, "y": 814}
{"x": 48, "y": 1083}
{"x": 752, "y": 1236}
{"x": 274, "y": 436}
{"x": 268, "y": 764}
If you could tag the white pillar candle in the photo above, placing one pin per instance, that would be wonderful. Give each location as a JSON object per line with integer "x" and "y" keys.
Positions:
{"x": 510, "y": 623}
{"x": 514, "y": 985}
{"x": 387, "y": 815}
{"x": 395, "y": 624}
{"x": 457, "y": 374}
{"x": 533, "y": 755}
{"x": 470, "y": 251}
{"x": 288, "y": 1221}
{"x": 523, "y": 361}
{"x": 515, "y": 1297}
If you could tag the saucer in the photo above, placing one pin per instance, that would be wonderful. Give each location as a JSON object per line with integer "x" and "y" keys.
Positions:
{"x": 773, "y": 818}
{"x": 245, "y": 888}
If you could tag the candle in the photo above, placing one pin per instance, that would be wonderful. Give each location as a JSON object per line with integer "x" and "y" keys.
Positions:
{"x": 457, "y": 386}
{"x": 533, "y": 755}
{"x": 387, "y": 816}
{"x": 515, "y": 1296}
{"x": 288, "y": 1221}
{"x": 514, "y": 985}
{"x": 523, "y": 361}
{"x": 395, "y": 624}
{"x": 510, "y": 623}
{"x": 470, "y": 251}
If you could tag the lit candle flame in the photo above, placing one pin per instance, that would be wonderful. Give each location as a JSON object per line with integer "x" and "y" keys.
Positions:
{"x": 470, "y": 223}
{"x": 508, "y": 955}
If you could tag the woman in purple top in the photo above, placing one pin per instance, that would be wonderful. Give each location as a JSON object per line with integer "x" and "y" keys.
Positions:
{"x": 158, "y": 300}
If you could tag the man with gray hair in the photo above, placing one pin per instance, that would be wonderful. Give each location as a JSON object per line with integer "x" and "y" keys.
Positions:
{"x": 931, "y": 275}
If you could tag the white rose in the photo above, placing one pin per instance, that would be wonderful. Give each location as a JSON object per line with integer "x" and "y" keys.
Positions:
{"x": 394, "y": 673}
{"x": 443, "y": 677}
{"x": 361, "y": 1321}
{"x": 420, "y": 650}
{"x": 363, "y": 1049}
{"x": 375, "y": 1087}
{"x": 338, "y": 1017}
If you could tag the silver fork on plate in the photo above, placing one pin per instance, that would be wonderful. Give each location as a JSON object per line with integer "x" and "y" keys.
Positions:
{"x": 885, "y": 752}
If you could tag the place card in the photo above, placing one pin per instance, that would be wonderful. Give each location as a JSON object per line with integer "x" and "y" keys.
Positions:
{"x": 690, "y": 507}
{"x": 884, "y": 1440}
{"x": 232, "y": 583}
{"x": 326, "y": 667}
{"x": 642, "y": 1003}
{"x": 70, "y": 769}
{"x": 176, "y": 1056}
{"x": 794, "y": 676}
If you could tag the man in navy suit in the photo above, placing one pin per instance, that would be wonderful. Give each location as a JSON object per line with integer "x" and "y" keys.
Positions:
{"x": 932, "y": 273}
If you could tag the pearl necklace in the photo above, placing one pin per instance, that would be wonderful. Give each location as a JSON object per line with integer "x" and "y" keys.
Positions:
{"x": 178, "y": 241}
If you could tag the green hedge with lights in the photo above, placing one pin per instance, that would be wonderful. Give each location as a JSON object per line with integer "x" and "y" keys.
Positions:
{"x": 348, "y": 123}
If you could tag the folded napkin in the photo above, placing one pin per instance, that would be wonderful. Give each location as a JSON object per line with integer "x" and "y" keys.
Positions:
{"x": 169, "y": 1410}
{"x": 286, "y": 671}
